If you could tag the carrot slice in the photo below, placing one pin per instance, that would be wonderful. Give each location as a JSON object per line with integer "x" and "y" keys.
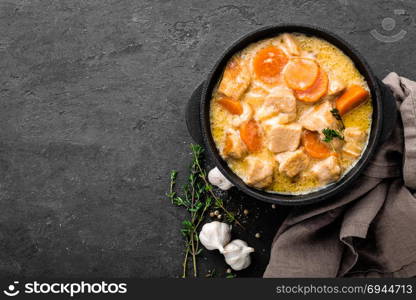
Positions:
{"x": 352, "y": 97}
{"x": 316, "y": 91}
{"x": 250, "y": 134}
{"x": 314, "y": 146}
{"x": 269, "y": 63}
{"x": 231, "y": 105}
{"x": 301, "y": 73}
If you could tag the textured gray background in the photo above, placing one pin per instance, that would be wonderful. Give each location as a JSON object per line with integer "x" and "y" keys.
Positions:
{"x": 92, "y": 95}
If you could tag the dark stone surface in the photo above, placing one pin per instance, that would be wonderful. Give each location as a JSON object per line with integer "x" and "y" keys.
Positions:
{"x": 92, "y": 95}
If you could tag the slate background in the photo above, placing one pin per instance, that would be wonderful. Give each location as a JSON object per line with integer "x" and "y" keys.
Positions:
{"x": 92, "y": 95}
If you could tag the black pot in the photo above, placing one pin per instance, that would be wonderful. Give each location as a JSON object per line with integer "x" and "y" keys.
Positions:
{"x": 384, "y": 115}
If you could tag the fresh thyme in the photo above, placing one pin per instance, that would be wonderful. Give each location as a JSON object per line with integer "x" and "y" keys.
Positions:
{"x": 198, "y": 196}
{"x": 211, "y": 274}
{"x": 335, "y": 113}
{"x": 330, "y": 134}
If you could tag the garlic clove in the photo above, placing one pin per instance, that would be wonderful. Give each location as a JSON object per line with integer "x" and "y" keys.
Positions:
{"x": 216, "y": 178}
{"x": 237, "y": 254}
{"x": 215, "y": 235}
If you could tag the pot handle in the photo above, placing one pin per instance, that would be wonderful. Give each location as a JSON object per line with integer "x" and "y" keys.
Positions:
{"x": 192, "y": 116}
{"x": 389, "y": 112}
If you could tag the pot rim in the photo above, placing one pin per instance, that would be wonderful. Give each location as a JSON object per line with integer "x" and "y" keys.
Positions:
{"x": 359, "y": 62}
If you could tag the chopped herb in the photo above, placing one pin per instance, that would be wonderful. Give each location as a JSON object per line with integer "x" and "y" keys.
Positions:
{"x": 330, "y": 134}
{"x": 335, "y": 113}
{"x": 229, "y": 276}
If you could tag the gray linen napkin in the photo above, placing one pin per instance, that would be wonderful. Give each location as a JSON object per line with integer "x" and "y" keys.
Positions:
{"x": 368, "y": 232}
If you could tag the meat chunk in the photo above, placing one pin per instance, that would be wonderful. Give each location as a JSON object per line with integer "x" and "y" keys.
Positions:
{"x": 354, "y": 134}
{"x": 281, "y": 118}
{"x": 336, "y": 85}
{"x": 265, "y": 112}
{"x": 292, "y": 163}
{"x": 290, "y": 44}
{"x": 283, "y": 98}
{"x": 308, "y": 54}
{"x": 282, "y": 138}
{"x": 255, "y": 96}
{"x": 352, "y": 149}
{"x": 236, "y": 78}
{"x": 319, "y": 117}
{"x": 233, "y": 145}
{"x": 327, "y": 170}
{"x": 279, "y": 101}
{"x": 354, "y": 140}
{"x": 336, "y": 144}
{"x": 245, "y": 116}
{"x": 259, "y": 172}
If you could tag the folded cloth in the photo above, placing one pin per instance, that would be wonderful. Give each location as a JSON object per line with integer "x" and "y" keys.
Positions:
{"x": 369, "y": 231}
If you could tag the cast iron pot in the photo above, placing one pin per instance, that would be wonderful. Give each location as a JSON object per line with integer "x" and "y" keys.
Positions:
{"x": 383, "y": 122}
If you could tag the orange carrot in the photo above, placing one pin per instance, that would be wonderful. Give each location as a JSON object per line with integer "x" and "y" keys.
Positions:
{"x": 316, "y": 91}
{"x": 301, "y": 73}
{"x": 352, "y": 97}
{"x": 228, "y": 145}
{"x": 314, "y": 146}
{"x": 231, "y": 105}
{"x": 268, "y": 63}
{"x": 250, "y": 134}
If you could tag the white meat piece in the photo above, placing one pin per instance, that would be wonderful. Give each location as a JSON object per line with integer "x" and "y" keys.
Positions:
{"x": 265, "y": 112}
{"x": 255, "y": 97}
{"x": 308, "y": 54}
{"x": 282, "y": 138}
{"x": 281, "y": 118}
{"x": 354, "y": 134}
{"x": 234, "y": 147}
{"x": 354, "y": 140}
{"x": 352, "y": 149}
{"x": 290, "y": 44}
{"x": 327, "y": 170}
{"x": 216, "y": 178}
{"x": 279, "y": 101}
{"x": 292, "y": 163}
{"x": 245, "y": 116}
{"x": 336, "y": 85}
{"x": 336, "y": 144}
{"x": 259, "y": 172}
{"x": 236, "y": 78}
{"x": 319, "y": 117}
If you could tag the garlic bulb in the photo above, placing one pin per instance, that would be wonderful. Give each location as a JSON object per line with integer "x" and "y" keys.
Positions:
{"x": 215, "y": 235}
{"x": 216, "y": 178}
{"x": 237, "y": 254}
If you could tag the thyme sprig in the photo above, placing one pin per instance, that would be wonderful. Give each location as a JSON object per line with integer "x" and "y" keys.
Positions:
{"x": 218, "y": 202}
{"x": 197, "y": 197}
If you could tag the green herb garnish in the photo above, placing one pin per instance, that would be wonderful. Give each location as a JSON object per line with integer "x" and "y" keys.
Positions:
{"x": 330, "y": 134}
{"x": 197, "y": 197}
{"x": 335, "y": 113}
